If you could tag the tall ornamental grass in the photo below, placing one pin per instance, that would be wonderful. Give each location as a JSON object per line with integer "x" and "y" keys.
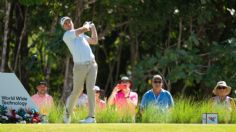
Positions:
{"x": 112, "y": 115}
{"x": 56, "y": 114}
{"x": 186, "y": 110}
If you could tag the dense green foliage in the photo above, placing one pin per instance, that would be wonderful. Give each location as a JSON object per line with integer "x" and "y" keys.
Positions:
{"x": 190, "y": 42}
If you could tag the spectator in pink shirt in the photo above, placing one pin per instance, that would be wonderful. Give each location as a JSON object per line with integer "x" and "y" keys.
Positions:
{"x": 43, "y": 101}
{"x": 122, "y": 97}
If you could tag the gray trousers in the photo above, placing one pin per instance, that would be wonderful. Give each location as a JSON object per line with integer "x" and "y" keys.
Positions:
{"x": 82, "y": 73}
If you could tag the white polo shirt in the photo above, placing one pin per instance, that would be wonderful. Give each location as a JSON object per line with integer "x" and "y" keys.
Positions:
{"x": 78, "y": 46}
{"x": 82, "y": 101}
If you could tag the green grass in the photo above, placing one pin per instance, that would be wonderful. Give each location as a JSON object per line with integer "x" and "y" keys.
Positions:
{"x": 118, "y": 127}
{"x": 186, "y": 110}
{"x": 187, "y": 113}
{"x": 108, "y": 115}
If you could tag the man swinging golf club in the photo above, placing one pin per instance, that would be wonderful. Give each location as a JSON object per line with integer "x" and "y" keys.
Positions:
{"x": 85, "y": 66}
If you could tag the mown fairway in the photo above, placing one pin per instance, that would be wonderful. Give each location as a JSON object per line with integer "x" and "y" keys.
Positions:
{"x": 118, "y": 127}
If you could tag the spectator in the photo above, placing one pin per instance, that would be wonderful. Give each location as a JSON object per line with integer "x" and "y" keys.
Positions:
{"x": 122, "y": 97}
{"x": 43, "y": 100}
{"x": 157, "y": 97}
{"x": 221, "y": 99}
{"x": 101, "y": 104}
{"x": 81, "y": 102}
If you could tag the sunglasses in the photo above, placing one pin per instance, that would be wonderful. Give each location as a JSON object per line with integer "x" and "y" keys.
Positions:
{"x": 221, "y": 87}
{"x": 155, "y": 81}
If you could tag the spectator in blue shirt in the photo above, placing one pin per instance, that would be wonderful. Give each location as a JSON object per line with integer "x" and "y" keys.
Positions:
{"x": 157, "y": 96}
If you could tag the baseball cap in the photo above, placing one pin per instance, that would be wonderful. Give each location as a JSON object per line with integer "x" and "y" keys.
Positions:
{"x": 125, "y": 78}
{"x": 96, "y": 88}
{"x": 63, "y": 19}
{"x": 156, "y": 77}
{"x": 43, "y": 82}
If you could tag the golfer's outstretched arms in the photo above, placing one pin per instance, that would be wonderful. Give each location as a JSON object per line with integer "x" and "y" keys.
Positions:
{"x": 83, "y": 29}
{"x": 94, "y": 37}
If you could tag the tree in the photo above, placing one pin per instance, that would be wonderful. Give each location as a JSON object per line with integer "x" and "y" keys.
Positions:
{"x": 6, "y": 30}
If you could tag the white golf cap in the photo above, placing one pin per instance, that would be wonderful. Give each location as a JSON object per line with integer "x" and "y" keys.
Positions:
{"x": 63, "y": 19}
{"x": 125, "y": 78}
{"x": 157, "y": 76}
{"x": 96, "y": 88}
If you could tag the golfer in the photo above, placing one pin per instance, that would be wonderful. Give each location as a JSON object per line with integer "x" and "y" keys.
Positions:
{"x": 85, "y": 66}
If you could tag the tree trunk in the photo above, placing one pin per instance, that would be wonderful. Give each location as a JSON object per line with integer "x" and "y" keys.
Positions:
{"x": 109, "y": 78}
{"x": 111, "y": 68}
{"x": 67, "y": 87}
{"x": 168, "y": 82}
{"x": 180, "y": 33}
{"x": 134, "y": 53}
{"x": 23, "y": 32}
{"x": 22, "y": 69}
{"x": 79, "y": 11}
{"x": 48, "y": 64}
{"x": 81, "y": 5}
{"x": 6, "y": 30}
{"x": 118, "y": 63}
{"x": 191, "y": 25}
